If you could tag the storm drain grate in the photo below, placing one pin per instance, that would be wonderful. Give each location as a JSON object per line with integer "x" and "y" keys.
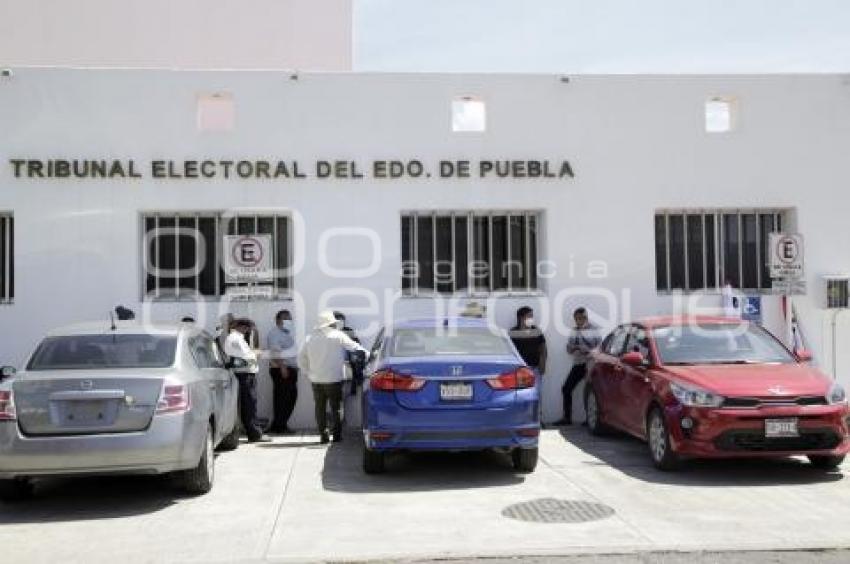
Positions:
{"x": 549, "y": 510}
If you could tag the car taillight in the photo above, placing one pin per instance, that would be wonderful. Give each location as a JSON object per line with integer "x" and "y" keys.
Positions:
{"x": 516, "y": 380}
{"x": 388, "y": 381}
{"x": 174, "y": 398}
{"x": 7, "y": 406}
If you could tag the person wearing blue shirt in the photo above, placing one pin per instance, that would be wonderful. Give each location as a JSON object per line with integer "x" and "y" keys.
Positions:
{"x": 283, "y": 370}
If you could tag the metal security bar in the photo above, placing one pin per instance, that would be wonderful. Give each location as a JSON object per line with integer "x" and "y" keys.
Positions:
{"x": 736, "y": 250}
{"x": 425, "y": 237}
{"x": 7, "y": 258}
{"x": 170, "y": 271}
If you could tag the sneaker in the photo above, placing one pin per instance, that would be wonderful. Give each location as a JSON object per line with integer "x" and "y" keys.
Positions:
{"x": 324, "y": 439}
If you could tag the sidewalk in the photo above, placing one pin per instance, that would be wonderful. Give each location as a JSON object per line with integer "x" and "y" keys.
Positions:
{"x": 293, "y": 500}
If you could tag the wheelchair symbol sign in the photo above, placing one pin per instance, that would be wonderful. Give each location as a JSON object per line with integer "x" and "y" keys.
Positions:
{"x": 752, "y": 309}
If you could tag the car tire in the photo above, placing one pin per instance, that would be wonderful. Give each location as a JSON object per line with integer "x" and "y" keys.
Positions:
{"x": 524, "y": 459}
{"x": 592, "y": 409}
{"x": 231, "y": 441}
{"x": 658, "y": 439}
{"x": 17, "y": 489}
{"x": 374, "y": 461}
{"x": 826, "y": 462}
{"x": 199, "y": 480}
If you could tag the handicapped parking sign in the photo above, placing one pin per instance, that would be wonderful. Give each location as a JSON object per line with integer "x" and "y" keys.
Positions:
{"x": 752, "y": 309}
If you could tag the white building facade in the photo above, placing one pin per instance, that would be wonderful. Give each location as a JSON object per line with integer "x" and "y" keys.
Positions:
{"x": 388, "y": 196}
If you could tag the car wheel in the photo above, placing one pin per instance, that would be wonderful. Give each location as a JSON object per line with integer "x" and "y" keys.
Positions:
{"x": 373, "y": 461}
{"x": 826, "y": 462}
{"x": 591, "y": 407}
{"x": 199, "y": 480}
{"x": 658, "y": 439}
{"x": 18, "y": 489}
{"x": 231, "y": 441}
{"x": 524, "y": 459}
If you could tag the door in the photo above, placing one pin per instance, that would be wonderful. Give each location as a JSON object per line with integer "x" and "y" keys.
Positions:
{"x": 636, "y": 387}
{"x": 215, "y": 378}
{"x": 606, "y": 374}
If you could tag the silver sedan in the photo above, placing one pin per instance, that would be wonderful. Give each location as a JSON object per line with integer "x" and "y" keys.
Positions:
{"x": 101, "y": 398}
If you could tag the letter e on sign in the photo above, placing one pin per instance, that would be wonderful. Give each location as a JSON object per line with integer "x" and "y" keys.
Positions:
{"x": 247, "y": 258}
{"x": 786, "y": 255}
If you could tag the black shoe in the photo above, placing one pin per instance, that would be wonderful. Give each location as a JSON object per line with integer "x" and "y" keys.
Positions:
{"x": 562, "y": 422}
{"x": 337, "y": 437}
{"x": 324, "y": 439}
{"x": 260, "y": 439}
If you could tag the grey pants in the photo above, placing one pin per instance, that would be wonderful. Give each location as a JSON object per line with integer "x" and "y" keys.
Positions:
{"x": 322, "y": 394}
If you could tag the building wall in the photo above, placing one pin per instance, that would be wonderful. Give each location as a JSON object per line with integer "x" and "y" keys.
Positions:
{"x": 636, "y": 144}
{"x": 189, "y": 34}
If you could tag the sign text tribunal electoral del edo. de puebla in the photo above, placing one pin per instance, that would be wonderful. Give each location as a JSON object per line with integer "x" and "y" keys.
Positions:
{"x": 259, "y": 169}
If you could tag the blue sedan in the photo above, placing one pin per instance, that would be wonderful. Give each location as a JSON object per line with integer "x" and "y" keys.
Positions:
{"x": 449, "y": 384}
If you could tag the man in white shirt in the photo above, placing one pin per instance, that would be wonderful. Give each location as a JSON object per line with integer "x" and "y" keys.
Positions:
{"x": 244, "y": 363}
{"x": 323, "y": 358}
{"x": 283, "y": 370}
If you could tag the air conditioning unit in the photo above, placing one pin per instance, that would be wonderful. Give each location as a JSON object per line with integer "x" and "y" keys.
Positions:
{"x": 837, "y": 291}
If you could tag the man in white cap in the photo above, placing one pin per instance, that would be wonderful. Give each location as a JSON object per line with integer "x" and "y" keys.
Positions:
{"x": 322, "y": 358}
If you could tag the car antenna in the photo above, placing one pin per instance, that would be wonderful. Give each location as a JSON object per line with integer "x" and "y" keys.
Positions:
{"x": 112, "y": 321}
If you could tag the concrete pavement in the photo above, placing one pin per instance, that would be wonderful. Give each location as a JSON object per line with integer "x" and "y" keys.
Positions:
{"x": 293, "y": 500}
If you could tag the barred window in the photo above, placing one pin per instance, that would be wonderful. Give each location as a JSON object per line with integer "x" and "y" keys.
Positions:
{"x": 7, "y": 258}
{"x": 182, "y": 253}
{"x": 705, "y": 249}
{"x": 469, "y": 252}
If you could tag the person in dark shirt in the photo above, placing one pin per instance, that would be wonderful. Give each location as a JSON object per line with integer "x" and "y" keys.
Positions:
{"x": 531, "y": 346}
{"x": 529, "y": 340}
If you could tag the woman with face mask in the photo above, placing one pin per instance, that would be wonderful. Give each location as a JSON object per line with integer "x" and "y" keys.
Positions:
{"x": 529, "y": 341}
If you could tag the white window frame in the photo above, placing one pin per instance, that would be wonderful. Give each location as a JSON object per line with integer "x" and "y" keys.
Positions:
{"x": 470, "y": 215}
{"x": 781, "y": 216}
{"x": 220, "y": 218}
{"x": 7, "y": 267}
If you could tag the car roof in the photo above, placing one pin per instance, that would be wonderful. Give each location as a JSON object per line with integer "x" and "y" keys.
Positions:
{"x": 428, "y": 322}
{"x": 122, "y": 328}
{"x": 663, "y": 320}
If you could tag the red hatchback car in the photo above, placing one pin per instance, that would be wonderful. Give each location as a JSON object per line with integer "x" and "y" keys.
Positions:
{"x": 705, "y": 387}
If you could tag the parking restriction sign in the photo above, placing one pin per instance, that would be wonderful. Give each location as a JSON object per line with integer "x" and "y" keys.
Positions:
{"x": 786, "y": 256}
{"x": 247, "y": 258}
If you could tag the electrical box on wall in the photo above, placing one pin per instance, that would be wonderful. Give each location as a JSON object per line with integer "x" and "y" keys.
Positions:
{"x": 837, "y": 290}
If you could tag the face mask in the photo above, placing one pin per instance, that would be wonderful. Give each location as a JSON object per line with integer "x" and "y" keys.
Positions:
{"x": 288, "y": 325}
{"x": 339, "y": 325}
{"x": 528, "y": 322}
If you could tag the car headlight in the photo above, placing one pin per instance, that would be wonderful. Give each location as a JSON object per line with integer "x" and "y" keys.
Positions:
{"x": 836, "y": 394}
{"x": 695, "y": 397}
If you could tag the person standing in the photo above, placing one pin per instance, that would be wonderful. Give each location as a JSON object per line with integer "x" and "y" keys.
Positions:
{"x": 584, "y": 338}
{"x": 531, "y": 346}
{"x": 283, "y": 370}
{"x": 243, "y": 360}
{"x": 322, "y": 358}
{"x": 354, "y": 360}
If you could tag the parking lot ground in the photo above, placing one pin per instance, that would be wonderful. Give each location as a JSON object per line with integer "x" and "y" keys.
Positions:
{"x": 293, "y": 500}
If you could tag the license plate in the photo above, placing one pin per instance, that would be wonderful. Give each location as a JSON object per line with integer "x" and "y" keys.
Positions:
{"x": 781, "y": 428}
{"x": 454, "y": 391}
{"x": 84, "y": 412}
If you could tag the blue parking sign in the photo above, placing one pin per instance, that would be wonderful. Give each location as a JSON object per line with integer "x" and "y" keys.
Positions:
{"x": 752, "y": 309}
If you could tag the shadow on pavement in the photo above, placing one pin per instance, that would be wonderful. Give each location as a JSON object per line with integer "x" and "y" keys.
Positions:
{"x": 81, "y": 499}
{"x": 418, "y": 471}
{"x": 631, "y": 456}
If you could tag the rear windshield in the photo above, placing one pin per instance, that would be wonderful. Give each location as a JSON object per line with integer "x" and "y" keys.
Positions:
{"x": 451, "y": 341}
{"x": 104, "y": 351}
{"x": 718, "y": 343}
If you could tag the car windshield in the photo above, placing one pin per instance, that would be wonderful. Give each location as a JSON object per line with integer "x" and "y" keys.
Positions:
{"x": 448, "y": 341}
{"x": 718, "y": 343}
{"x": 104, "y": 351}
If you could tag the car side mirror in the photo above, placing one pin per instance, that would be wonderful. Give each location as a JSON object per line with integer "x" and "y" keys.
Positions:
{"x": 633, "y": 358}
{"x": 7, "y": 372}
{"x": 803, "y": 355}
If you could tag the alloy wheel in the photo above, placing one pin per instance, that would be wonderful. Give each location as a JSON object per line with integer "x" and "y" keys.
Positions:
{"x": 657, "y": 437}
